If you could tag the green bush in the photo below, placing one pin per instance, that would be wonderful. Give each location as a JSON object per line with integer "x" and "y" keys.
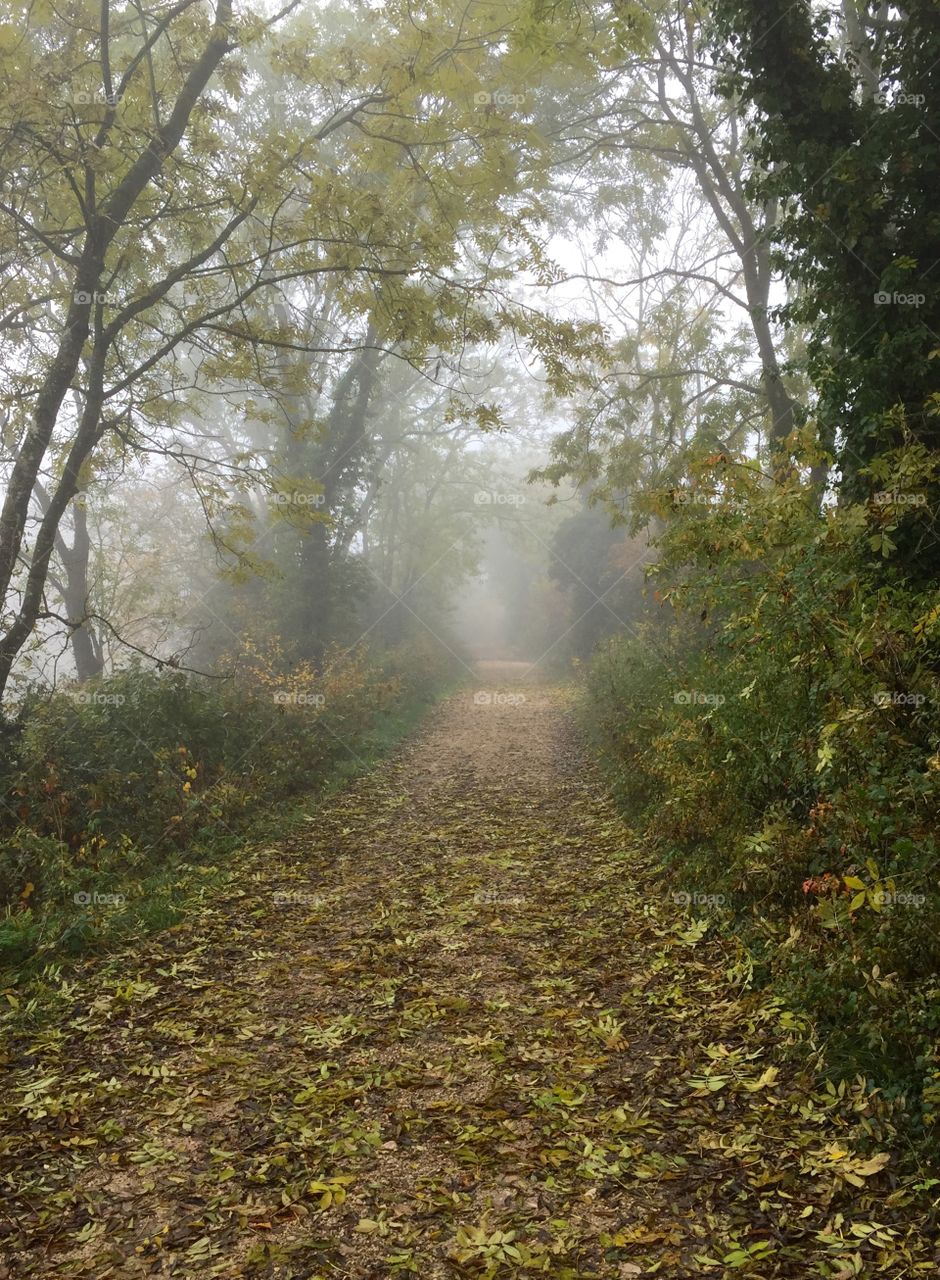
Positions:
{"x": 114, "y": 789}
{"x": 778, "y": 739}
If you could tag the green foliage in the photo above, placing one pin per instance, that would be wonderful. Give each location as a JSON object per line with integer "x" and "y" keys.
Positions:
{"x": 779, "y": 734}
{"x": 114, "y": 790}
{"x": 845, "y": 140}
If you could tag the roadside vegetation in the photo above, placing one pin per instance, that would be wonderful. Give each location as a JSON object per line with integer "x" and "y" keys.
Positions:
{"x": 128, "y": 794}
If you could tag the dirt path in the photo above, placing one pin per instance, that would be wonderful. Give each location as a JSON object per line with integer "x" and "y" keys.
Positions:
{"x": 458, "y": 1029}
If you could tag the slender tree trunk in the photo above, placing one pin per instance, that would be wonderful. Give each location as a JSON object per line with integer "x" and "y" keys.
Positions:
{"x": 87, "y": 436}
{"x": 720, "y": 184}
{"x": 49, "y": 401}
{"x": 86, "y": 645}
{"x": 343, "y": 444}
{"x": 73, "y": 591}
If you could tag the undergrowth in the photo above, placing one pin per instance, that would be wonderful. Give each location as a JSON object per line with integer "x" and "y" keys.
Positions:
{"x": 127, "y": 797}
{"x": 774, "y": 731}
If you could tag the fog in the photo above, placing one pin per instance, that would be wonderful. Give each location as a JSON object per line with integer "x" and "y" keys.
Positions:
{"x": 346, "y": 457}
{"x": 469, "y": 638}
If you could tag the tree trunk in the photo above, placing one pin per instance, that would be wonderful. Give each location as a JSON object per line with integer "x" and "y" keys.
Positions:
{"x": 103, "y": 224}
{"x": 86, "y": 644}
{"x": 342, "y": 447}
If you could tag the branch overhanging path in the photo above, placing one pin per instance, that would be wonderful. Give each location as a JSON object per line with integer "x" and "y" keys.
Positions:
{"x": 457, "y": 1027}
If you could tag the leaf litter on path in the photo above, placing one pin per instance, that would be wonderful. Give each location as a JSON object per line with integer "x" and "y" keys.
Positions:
{"x": 456, "y": 1028}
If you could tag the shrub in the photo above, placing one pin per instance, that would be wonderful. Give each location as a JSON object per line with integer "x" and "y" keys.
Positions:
{"x": 120, "y": 784}
{"x": 779, "y": 738}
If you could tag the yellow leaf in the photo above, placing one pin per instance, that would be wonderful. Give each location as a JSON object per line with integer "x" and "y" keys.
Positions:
{"x": 768, "y": 1078}
{"x": 867, "y": 1167}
